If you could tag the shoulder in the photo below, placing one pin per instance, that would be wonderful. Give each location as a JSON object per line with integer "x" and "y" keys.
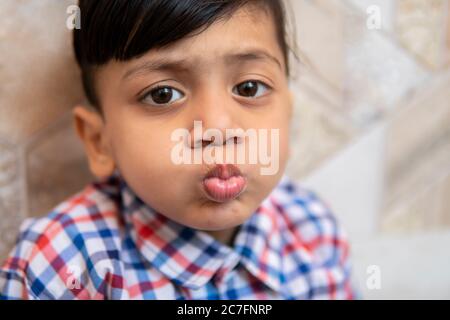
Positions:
{"x": 310, "y": 219}
{"x": 299, "y": 202}
{"x": 314, "y": 244}
{"x": 76, "y": 235}
{"x": 86, "y": 216}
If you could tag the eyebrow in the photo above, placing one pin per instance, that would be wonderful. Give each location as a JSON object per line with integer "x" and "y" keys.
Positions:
{"x": 183, "y": 65}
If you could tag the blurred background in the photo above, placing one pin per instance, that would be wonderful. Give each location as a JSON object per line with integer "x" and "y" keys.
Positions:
{"x": 371, "y": 132}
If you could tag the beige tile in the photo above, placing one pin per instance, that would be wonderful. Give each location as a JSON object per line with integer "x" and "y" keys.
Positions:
{"x": 319, "y": 29}
{"x": 9, "y": 164}
{"x": 39, "y": 78}
{"x": 56, "y": 167}
{"x": 9, "y": 229}
{"x": 421, "y": 29}
{"x": 378, "y": 72}
{"x": 418, "y": 128}
{"x": 418, "y": 146}
{"x": 424, "y": 210}
{"x": 444, "y": 205}
{"x": 448, "y": 34}
{"x": 418, "y": 162}
{"x": 11, "y": 211}
{"x": 317, "y": 133}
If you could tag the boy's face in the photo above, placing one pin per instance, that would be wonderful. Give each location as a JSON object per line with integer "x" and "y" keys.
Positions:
{"x": 230, "y": 76}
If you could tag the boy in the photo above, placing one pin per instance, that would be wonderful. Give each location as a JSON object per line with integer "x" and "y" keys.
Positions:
{"x": 156, "y": 225}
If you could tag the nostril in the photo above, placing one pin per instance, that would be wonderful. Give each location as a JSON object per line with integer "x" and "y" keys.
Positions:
{"x": 235, "y": 140}
{"x": 216, "y": 141}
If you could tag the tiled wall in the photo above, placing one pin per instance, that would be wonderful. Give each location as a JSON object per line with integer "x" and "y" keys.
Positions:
{"x": 41, "y": 160}
{"x": 384, "y": 163}
{"x": 371, "y": 131}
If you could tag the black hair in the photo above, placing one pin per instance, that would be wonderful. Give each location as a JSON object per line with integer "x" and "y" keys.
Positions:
{"x": 126, "y": 29}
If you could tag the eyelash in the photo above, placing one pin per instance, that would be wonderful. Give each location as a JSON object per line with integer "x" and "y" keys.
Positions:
{"x": 158, "y": 87}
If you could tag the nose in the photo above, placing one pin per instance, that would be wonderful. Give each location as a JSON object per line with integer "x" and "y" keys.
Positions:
{"x": 219, "y": 116}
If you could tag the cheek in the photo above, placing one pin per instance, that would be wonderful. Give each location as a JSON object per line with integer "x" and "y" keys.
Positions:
{"x": 140, "y": 148}
{"x": 280, "y": 121}
{"x": 143, "y": 159}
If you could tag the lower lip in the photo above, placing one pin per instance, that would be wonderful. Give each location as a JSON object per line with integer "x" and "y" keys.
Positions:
{"x": 221, "y": 190}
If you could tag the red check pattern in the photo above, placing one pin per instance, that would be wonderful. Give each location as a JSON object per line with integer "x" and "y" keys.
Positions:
{"x": 106, "y": 243}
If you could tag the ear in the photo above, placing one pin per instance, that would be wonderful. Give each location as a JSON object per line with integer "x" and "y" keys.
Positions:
{"x": 90, "y": 127}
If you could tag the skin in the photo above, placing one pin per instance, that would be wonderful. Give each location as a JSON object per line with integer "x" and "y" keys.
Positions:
{"x": 133, "y": 135}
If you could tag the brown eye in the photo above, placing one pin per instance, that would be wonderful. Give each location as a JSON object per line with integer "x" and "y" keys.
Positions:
{"x": 162, "y": 96}
{"x": 250, "y": 89}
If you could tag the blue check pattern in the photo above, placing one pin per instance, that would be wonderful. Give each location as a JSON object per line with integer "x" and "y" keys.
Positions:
{"x": 106, "y": 243}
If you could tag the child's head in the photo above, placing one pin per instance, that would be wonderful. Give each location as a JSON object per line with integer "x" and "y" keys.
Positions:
{"x": 151, "y": 68}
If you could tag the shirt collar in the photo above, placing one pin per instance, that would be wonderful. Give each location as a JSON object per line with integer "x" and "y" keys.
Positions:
{"x": 191, "y": 258}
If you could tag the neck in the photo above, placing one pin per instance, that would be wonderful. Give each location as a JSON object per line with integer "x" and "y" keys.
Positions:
{"x": 225, "y": 236}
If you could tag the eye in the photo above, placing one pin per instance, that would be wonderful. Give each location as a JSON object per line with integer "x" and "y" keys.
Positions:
{"x": 251, "y": 89}
{"x": 161, "y": 96}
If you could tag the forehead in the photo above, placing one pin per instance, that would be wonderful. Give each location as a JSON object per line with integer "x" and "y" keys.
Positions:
{"x": 248, "y": 34}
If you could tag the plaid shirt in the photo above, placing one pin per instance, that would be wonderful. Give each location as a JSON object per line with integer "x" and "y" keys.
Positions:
{"x": 105, "y": 243}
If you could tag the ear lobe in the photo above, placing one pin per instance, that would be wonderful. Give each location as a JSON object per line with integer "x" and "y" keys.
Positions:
{"x": 90, "y": 128}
